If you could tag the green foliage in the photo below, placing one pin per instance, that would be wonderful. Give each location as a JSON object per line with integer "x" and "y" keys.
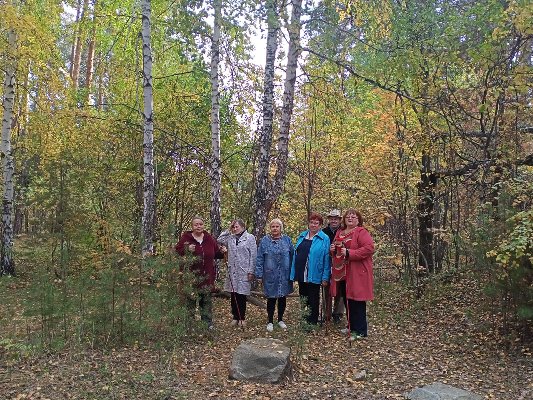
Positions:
{"x": 119, "y": 300}
{"x": 506, "y": 238}
{"x": 298, "y": 336}
{"x": 15, "y": 348}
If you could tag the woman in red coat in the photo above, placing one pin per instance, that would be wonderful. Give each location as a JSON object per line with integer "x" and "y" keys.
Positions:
{"x": 200, "y": 243}
{"x": 355, "y": 245}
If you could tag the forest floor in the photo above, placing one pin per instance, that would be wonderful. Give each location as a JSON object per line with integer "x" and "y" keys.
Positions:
{"x": 449, "y": 336}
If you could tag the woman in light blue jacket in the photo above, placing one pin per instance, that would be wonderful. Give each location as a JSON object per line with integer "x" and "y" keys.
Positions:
{"x": 273, "y": 268}
{"x": 311, "y": 265}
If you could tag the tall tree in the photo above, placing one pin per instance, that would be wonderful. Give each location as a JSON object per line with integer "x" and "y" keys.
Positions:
{"x": 288, "y": 101}
{"x": 7, "y": 262}
{"x": 76, "y": 54}
{"x": 265, "y": 137}
{"x": 215, "y": 172}
{"x": 267, "y": 192}
{"x": 148, "y": 143}
{"x": 90, "y": 55}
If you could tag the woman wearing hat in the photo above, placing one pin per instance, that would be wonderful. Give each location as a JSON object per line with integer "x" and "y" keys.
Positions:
{"x": 334, "y": 223}
{"x": 352, "y": 270}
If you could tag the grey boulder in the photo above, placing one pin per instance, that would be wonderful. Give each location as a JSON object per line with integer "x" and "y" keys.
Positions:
{"x": 440, "y": 391}
{"x": 261, "y": 360}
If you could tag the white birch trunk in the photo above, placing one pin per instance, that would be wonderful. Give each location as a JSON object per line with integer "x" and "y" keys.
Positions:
{"x": 7, "y": 262}
{"x": 261, "y": 207}
{"x": 288, "y": 101}
{"x": 215, "y": 172}
{"x": 90, "y": 57}
{"x": 148, "y": 143}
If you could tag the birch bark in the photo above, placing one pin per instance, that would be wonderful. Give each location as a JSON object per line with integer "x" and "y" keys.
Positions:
{"x": 265, "y": 138}
{"x": 90, "y": 57}
{"x": 7, "y": 263}
{"x": 288, "y": 101}
{"x": 215, "y": 172}
{"x": 266, "y": 194}
{"x": 148, "y": 143}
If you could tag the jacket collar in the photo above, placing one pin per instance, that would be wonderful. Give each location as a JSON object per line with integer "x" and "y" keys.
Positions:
{"x": 319, "y": 234}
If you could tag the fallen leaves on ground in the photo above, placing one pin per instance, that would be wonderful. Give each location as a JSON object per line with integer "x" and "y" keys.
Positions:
{"x": 407, "y": 347}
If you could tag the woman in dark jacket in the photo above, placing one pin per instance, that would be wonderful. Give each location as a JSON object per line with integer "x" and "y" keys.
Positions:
{"x": 200, "y": 243}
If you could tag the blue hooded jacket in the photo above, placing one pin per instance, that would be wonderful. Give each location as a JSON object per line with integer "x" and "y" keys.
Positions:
{"x": 318, "y": 262}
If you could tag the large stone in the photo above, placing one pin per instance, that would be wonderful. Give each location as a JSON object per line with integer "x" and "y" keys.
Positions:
{"x": 261, "y": 360}
{"x": 441, "y": 391}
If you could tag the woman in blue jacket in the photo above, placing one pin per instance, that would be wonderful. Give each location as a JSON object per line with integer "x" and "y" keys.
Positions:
{"x": 273, "y": 267}
{"x": 311, "y": 265}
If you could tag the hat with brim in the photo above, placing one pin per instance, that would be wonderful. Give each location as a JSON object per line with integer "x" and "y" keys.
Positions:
{"x": 334, "y": 213}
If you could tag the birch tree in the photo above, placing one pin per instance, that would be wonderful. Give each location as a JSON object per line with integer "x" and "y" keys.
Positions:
{"x": 265, "y": 137}
{"x": 76, "y": 54}
{"x": 288, "y": 101}
{"x": 90, "y": 56}
{"x": 215, "y": 171}
{"x": 148, "y": 143}
{"x": 268, "y": 192}
{"x": 7, "y": 262}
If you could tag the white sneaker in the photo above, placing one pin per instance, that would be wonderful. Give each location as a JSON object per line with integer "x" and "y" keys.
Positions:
{"x": 234, "y": 322}
{"x": 344, "y": 331}
{"x": 282, "y": 325}
{"x": 270, "y": 327}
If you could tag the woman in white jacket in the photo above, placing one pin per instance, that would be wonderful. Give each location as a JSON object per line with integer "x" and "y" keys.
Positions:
{"x": 242, "y": 252}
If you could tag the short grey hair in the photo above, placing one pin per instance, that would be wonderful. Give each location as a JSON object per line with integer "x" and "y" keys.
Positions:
{"x": 238, "y": 221}
{"x": 277, "y": 221}
{"x": 197, "y": 217}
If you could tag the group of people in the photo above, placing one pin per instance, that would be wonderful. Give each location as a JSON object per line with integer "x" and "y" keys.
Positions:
{"x": 336, "y": 261}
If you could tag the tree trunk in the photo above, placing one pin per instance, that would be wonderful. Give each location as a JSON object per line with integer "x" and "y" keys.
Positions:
{"x": 215, "y": 172}
{"x": 265, "y": 139}
{"x": 90, "y": 57}
{"x": 426, "y": 199}
{"x": 76, "y": 60}
{"x": 288, "y": 102}
{"x": 148, "y": 144}
{"x": 100, "y": 98}
{"x": 23, "y": 177}
{"x": 75, "y": 39}
{"x": 7, "y": 263}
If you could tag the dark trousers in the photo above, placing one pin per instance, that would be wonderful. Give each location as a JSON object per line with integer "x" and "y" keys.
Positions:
{"x": 339, "y": 305}
{"x": 206, "y": 307}
{"x": 357, "y": 317}
{"x": 271, "y": 305}
{"x": 310, "y": 294}
{"x": 238, "y": 306}
{"x": 341, "y": 293}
